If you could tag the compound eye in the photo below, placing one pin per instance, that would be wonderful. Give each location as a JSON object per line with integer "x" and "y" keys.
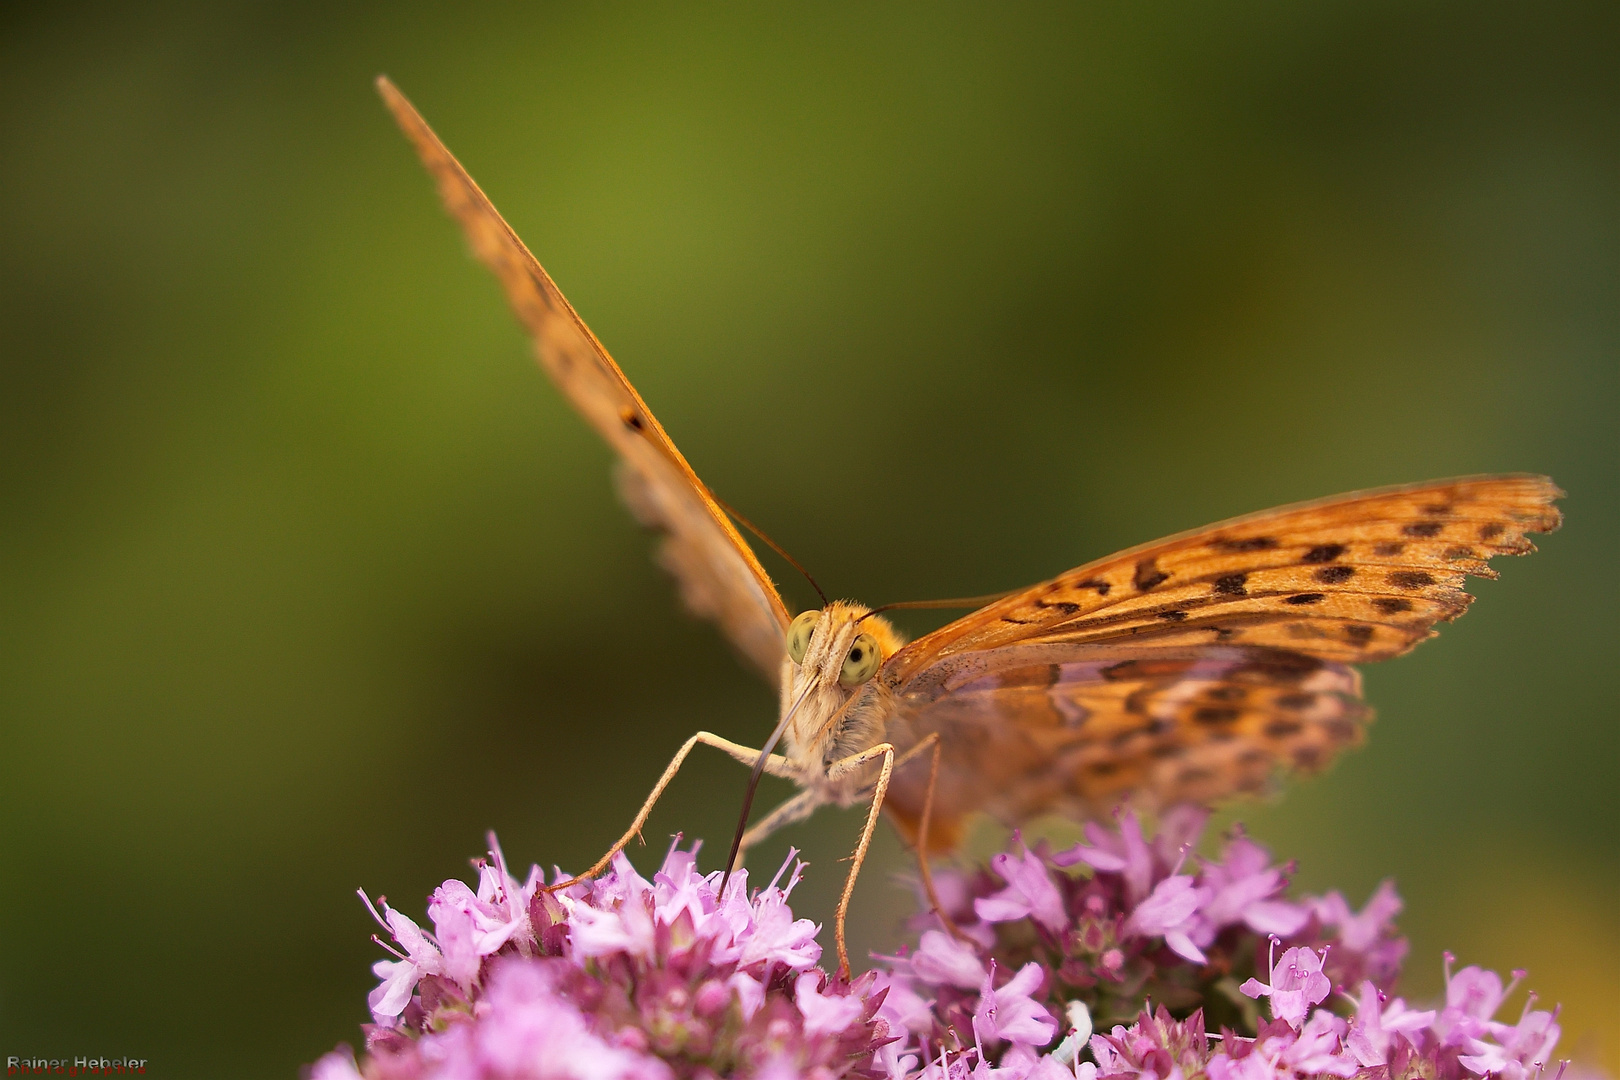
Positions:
{"x": 861, "y": 662}
{"x": 798, "y": 635}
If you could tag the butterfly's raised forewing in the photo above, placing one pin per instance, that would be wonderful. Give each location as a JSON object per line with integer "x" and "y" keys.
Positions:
{"x": 1193, "y": 667}
{"x": 1355, "y": 578}
{"x": 719, "y": 575}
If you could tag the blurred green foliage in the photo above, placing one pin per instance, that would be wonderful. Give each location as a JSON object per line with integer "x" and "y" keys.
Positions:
{"x": 308, "y": 578}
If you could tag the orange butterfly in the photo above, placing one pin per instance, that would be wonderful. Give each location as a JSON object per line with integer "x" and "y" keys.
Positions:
{"x": 1183, "y": 670}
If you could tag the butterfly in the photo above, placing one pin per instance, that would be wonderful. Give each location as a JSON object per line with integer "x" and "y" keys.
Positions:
{"x": 1184, "y": 670}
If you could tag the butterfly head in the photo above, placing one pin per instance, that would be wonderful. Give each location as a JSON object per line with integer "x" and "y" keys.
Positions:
{"x": 841, "y": 644}
{"x": 832, "y": 655}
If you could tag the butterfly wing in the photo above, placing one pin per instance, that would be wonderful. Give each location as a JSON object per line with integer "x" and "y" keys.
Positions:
{"x": 1192, "y": 667}
{"x": 1074, "y": 730}
{"x": 719, "y": 576}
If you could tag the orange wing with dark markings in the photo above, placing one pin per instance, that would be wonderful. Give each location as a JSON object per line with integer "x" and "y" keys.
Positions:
{"x": 719, "y": 575}
{"x": 1193, "y": 667}
{"x": 1357, "y": 577}
{"x": 1076, "y": 736}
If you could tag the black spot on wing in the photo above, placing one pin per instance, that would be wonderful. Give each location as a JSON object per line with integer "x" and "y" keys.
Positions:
{"x": 1251, "y": 543}
{"x": 1063, "y": 606}
{"x": 1334, "y": 575}
{"x": 1324, "y": 553}
{"x": 1148, "y": 575}
{"x": 1232, "y": 585}
{"x": 1388, "y": 548}
{"x": 1305, "y": 598}
{"x": 1410, "y": 579}
{"x": 1358, "y": 635}
{"x": 1392, "y": 605}
{"x": 1101, "y": 586}
{"x": 1171, "y": 616}
{"x": 1277, "y": 665}
{"x": 1423, "y": 528}
{"x": 1492, "y": 531}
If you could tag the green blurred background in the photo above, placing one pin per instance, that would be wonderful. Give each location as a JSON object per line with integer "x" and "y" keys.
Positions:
{"x": 308, "y": 577}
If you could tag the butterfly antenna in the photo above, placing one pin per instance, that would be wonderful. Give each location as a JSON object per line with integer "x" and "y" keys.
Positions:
{"x": 753, "y": 785}
{"x": 772, "y": 544}
{"x": 635, "y": 423}
{"x": 954, "y": 602}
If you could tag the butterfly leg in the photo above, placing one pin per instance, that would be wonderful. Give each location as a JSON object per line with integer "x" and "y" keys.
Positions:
{"x": 795, "y": 809}
{"x": 929, "y": 742}
{"x": 776, "y": 765}
{"x": 922, "y": 836}
{"x": 840, "y": 768}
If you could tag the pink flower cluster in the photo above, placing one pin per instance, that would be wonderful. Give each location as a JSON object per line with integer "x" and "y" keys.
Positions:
{"x": 1122, "y": 919}
{"x": 1380, "y": 1040}
{"x": 618, "y": 977}
{"x": 1196, "y": 968}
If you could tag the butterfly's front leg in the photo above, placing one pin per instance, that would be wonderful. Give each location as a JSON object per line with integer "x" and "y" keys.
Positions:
{"x": 836, "y": 771}
{"x": 776, "y": 765}
{"x": 931, "y": 741}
